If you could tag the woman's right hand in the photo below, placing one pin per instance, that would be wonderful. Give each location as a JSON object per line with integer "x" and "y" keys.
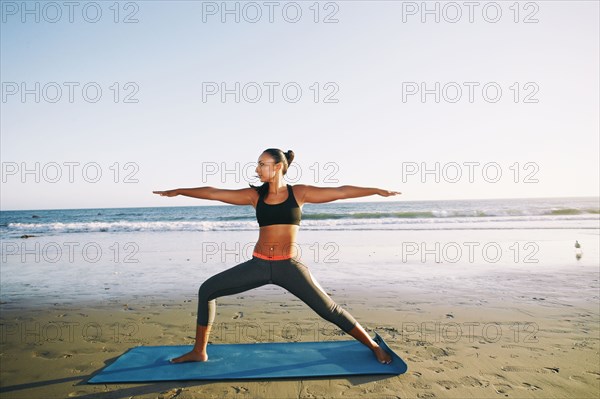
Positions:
{"x": 167, "y": 193}
{"x": 387, "y": 193}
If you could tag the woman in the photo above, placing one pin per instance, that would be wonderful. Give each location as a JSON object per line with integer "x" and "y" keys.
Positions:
{"x": 274, "y": 261}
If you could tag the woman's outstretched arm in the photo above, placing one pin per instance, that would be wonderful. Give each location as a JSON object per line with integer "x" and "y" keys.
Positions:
{"x": 316, "y": 195}
{"x": 244, "y": 196}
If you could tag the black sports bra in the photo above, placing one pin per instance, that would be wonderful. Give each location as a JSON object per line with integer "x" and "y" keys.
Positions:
{"x": 286, "y": 212}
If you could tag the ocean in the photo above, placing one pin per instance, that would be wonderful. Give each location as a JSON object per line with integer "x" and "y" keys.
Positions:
{"x": 539, "y": 213}
{"x": 119, "y": 255}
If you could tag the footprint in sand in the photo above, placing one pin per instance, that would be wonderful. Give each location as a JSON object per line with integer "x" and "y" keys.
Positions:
{"x": 425, "y": 395}
{"x": 108, "y": 349}
{"x": 502, "y": 388}
{"x": 498, "y": 376}
{"x": 531, "y": 387}
{"x": 584, "y": 344}
{"x": 238, "y": 315}
{"x": 520, "y": 369}
{"x": 474, "y": 382}
{"x": 42, "y": 354}
{"x": 436, "y": 369}
{"x": 436, "y": 352}
{"x": 452, "y": 364}
{"x": 420, "y": 385}
{"x": 597, "y": 374}
{"x": 447, "y": 384}
{"x": 241, "y": 390}
{"x": 75, "y": 371}
{"x": 529, "y": 348}
{"x": 85, "y": 351}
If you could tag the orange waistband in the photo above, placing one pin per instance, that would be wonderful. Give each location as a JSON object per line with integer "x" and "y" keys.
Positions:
{"x": 274, "y": 257}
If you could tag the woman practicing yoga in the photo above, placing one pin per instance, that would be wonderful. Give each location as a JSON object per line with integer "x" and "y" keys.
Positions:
{"x": 275, "y": 259}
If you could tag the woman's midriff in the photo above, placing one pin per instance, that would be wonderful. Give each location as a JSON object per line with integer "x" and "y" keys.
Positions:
{"x": 277, "y": 242}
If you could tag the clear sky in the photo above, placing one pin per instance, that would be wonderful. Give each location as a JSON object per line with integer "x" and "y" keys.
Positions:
{"x": 102, "y": 104}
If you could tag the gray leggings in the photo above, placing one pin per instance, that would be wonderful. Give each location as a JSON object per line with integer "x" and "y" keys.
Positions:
{"x": 289, "y": 274}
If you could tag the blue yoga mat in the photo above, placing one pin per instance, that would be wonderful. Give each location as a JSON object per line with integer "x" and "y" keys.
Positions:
{"x": 250, "y": 361}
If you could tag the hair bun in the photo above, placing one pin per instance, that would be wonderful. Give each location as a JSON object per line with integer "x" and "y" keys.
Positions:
{"x": 290, "y": 156}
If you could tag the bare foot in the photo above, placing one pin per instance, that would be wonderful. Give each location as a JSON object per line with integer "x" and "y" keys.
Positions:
{"x": 382, "y": 355}
{"x": 191, "y": 357}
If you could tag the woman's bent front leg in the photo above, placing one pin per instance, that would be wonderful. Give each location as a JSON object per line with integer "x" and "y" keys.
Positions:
{"x": 243, "y": 277}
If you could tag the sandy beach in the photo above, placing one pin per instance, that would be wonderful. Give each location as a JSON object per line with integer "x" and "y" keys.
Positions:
{"x": 466, "y": 329}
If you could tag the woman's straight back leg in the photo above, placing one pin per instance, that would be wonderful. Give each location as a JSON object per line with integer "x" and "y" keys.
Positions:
{"x": 295, "y": 277}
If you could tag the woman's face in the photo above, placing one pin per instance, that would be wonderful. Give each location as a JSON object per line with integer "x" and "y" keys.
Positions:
{"x": 267, "y": 168}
